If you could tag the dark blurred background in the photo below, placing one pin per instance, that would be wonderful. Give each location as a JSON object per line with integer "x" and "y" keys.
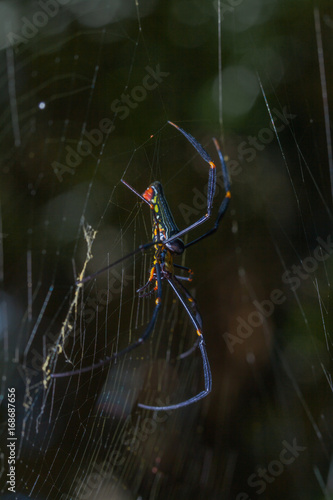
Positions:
{"x": 114, "y": 73}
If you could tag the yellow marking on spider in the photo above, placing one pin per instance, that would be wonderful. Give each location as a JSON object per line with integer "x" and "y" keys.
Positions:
{"x": 212, "y": 164}
{"x": 157, "y": 301}
{"x": 199, "y": 333}
{"x": 228, "y": 194}
{"x": 152, "y": 271}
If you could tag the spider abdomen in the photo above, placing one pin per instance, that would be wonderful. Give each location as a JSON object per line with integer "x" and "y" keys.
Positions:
{"x": 164, "y": 225}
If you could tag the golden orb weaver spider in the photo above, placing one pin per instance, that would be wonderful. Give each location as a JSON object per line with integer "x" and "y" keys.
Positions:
{"x": 167, "y": 243}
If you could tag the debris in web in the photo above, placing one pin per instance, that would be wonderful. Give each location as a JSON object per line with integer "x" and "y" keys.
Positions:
{"x": 68, "y": 324}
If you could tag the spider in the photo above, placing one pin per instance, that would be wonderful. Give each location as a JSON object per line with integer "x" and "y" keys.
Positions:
{"x": 167, "y": 243}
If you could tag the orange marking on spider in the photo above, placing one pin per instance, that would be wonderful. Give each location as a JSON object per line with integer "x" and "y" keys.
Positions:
{"x": 148, "y": 194}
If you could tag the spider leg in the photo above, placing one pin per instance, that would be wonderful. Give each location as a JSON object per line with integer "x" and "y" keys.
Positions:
{"x": 190, "y": 350}
{"x": 151, "y": 278}
{"x": 187, "y": 269}
{"x": 143, "y": 295}
{"x": 192, "y": 302}
{"x": 201, "y": 395}
{"x": 210, "y": 190}
{"x": 197, "y": 316}
{"x": 196, "y": 313}
{"x": 141, "y": 249}
{"x": 225, "y": 202}
{"x": 205, "y": 362}
{"x": 132, "y": 346}
{"x": 211, "y": 182}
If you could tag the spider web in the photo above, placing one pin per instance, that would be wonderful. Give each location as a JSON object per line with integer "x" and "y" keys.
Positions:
{"x": 87, "y": 90}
